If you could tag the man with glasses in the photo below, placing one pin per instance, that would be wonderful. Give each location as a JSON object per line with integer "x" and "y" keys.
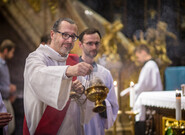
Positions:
{"x": 90, "y": 44}
{"x": 48, "y": 81}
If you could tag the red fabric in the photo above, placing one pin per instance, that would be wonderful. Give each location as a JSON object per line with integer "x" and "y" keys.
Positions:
{"x": 52, "y": 118}
{"x": 25, "y": 128}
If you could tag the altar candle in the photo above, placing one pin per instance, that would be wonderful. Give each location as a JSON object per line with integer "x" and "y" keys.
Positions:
{"x": 116, "y": 88}
{"x": 183, "y": 89}
{"x": 178, "y": 105}
{"x": 132, "y": 95}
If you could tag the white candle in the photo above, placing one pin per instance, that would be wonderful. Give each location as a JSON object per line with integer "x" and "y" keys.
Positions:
{"x": 178, "y": 105}
{"x": 116, "y": 88}
{"x": 183, "y": 89}
{"x": 132, "y": 95}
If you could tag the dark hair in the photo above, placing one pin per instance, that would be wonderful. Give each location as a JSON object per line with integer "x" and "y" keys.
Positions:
{"x": 89, "y": 31}
{"x": 142, "y": 47}
{"x": 7, "y": 44}
{"x": 58, "y": 22}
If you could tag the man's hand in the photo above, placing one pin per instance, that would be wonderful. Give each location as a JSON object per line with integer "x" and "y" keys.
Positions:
{"x": 5, "y": 118}
{"x": 13, "y": 89}
{"x": 80, "y": 69}
{"x": 77, "y": 87}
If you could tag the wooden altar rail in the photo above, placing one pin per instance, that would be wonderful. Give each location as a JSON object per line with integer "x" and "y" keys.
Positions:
{"x": 157, "y": 118}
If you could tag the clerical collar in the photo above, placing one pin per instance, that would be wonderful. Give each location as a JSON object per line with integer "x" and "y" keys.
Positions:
{"x": 147, "y": 61}
{"x": 51, "y": 53}
{"x": 53, "y": 50}
{"x": 93, "y": 64}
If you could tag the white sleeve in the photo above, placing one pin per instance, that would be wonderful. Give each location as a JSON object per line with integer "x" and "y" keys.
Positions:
{"x": 111, "y": 104}
{"x": 147, "y": 79}
{"x": 47, "y": 82}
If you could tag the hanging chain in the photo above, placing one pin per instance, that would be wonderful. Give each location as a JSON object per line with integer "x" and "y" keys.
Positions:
{"x": 77, "y": 99}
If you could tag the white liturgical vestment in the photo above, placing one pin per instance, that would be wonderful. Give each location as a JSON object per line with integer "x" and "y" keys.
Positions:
{"x": 149, "y": 80}
{"x": 45, "y": 83}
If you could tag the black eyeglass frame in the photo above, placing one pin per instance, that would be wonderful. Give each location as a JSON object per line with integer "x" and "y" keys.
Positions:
{"x": 74, "y": 37}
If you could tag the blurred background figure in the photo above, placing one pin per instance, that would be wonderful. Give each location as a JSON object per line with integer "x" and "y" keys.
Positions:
{"x": 149, "y": 80}
{"x": 45, "y": 39}
{"x": 7, "y": 89}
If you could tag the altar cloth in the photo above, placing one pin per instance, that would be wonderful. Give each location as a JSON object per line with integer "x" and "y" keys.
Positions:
{"x": 162, "y": 99}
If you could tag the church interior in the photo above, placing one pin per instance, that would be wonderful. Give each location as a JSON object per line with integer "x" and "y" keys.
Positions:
{"x": 124, "y": 24}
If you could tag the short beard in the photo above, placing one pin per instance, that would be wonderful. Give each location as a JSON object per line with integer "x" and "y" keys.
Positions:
{"x": 90, "y": 56}
{"x": 63, "y": 53}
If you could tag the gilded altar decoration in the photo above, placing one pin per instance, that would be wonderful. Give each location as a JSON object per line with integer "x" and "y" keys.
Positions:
{"x": 2, "y": 2}
{"x": 172, "y": 126}
{"x": 53, "y": 4}
{"x": 110, "y": 41}
{"x": 156, "y": 40}
{"x": 36, "y": 5}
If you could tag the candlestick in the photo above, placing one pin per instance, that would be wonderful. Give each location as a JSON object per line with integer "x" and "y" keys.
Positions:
{"x": 116, "y": 88}
{"x": 132, "y": 95}
{"x": 178, "y": 105}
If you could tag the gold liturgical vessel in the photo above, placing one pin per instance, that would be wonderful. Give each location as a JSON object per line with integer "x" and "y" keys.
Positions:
{"x": 97, "y": 92}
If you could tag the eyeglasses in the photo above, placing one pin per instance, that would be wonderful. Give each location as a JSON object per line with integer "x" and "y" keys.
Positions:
{"x": 66, "y": 36}
{"x": 92, "y": 43}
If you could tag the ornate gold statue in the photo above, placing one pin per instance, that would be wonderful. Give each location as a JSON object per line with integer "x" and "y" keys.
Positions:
{"x": 110, "y": 41}
{"x": 36, "y": 5}
{"x": 156, "y": 41}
